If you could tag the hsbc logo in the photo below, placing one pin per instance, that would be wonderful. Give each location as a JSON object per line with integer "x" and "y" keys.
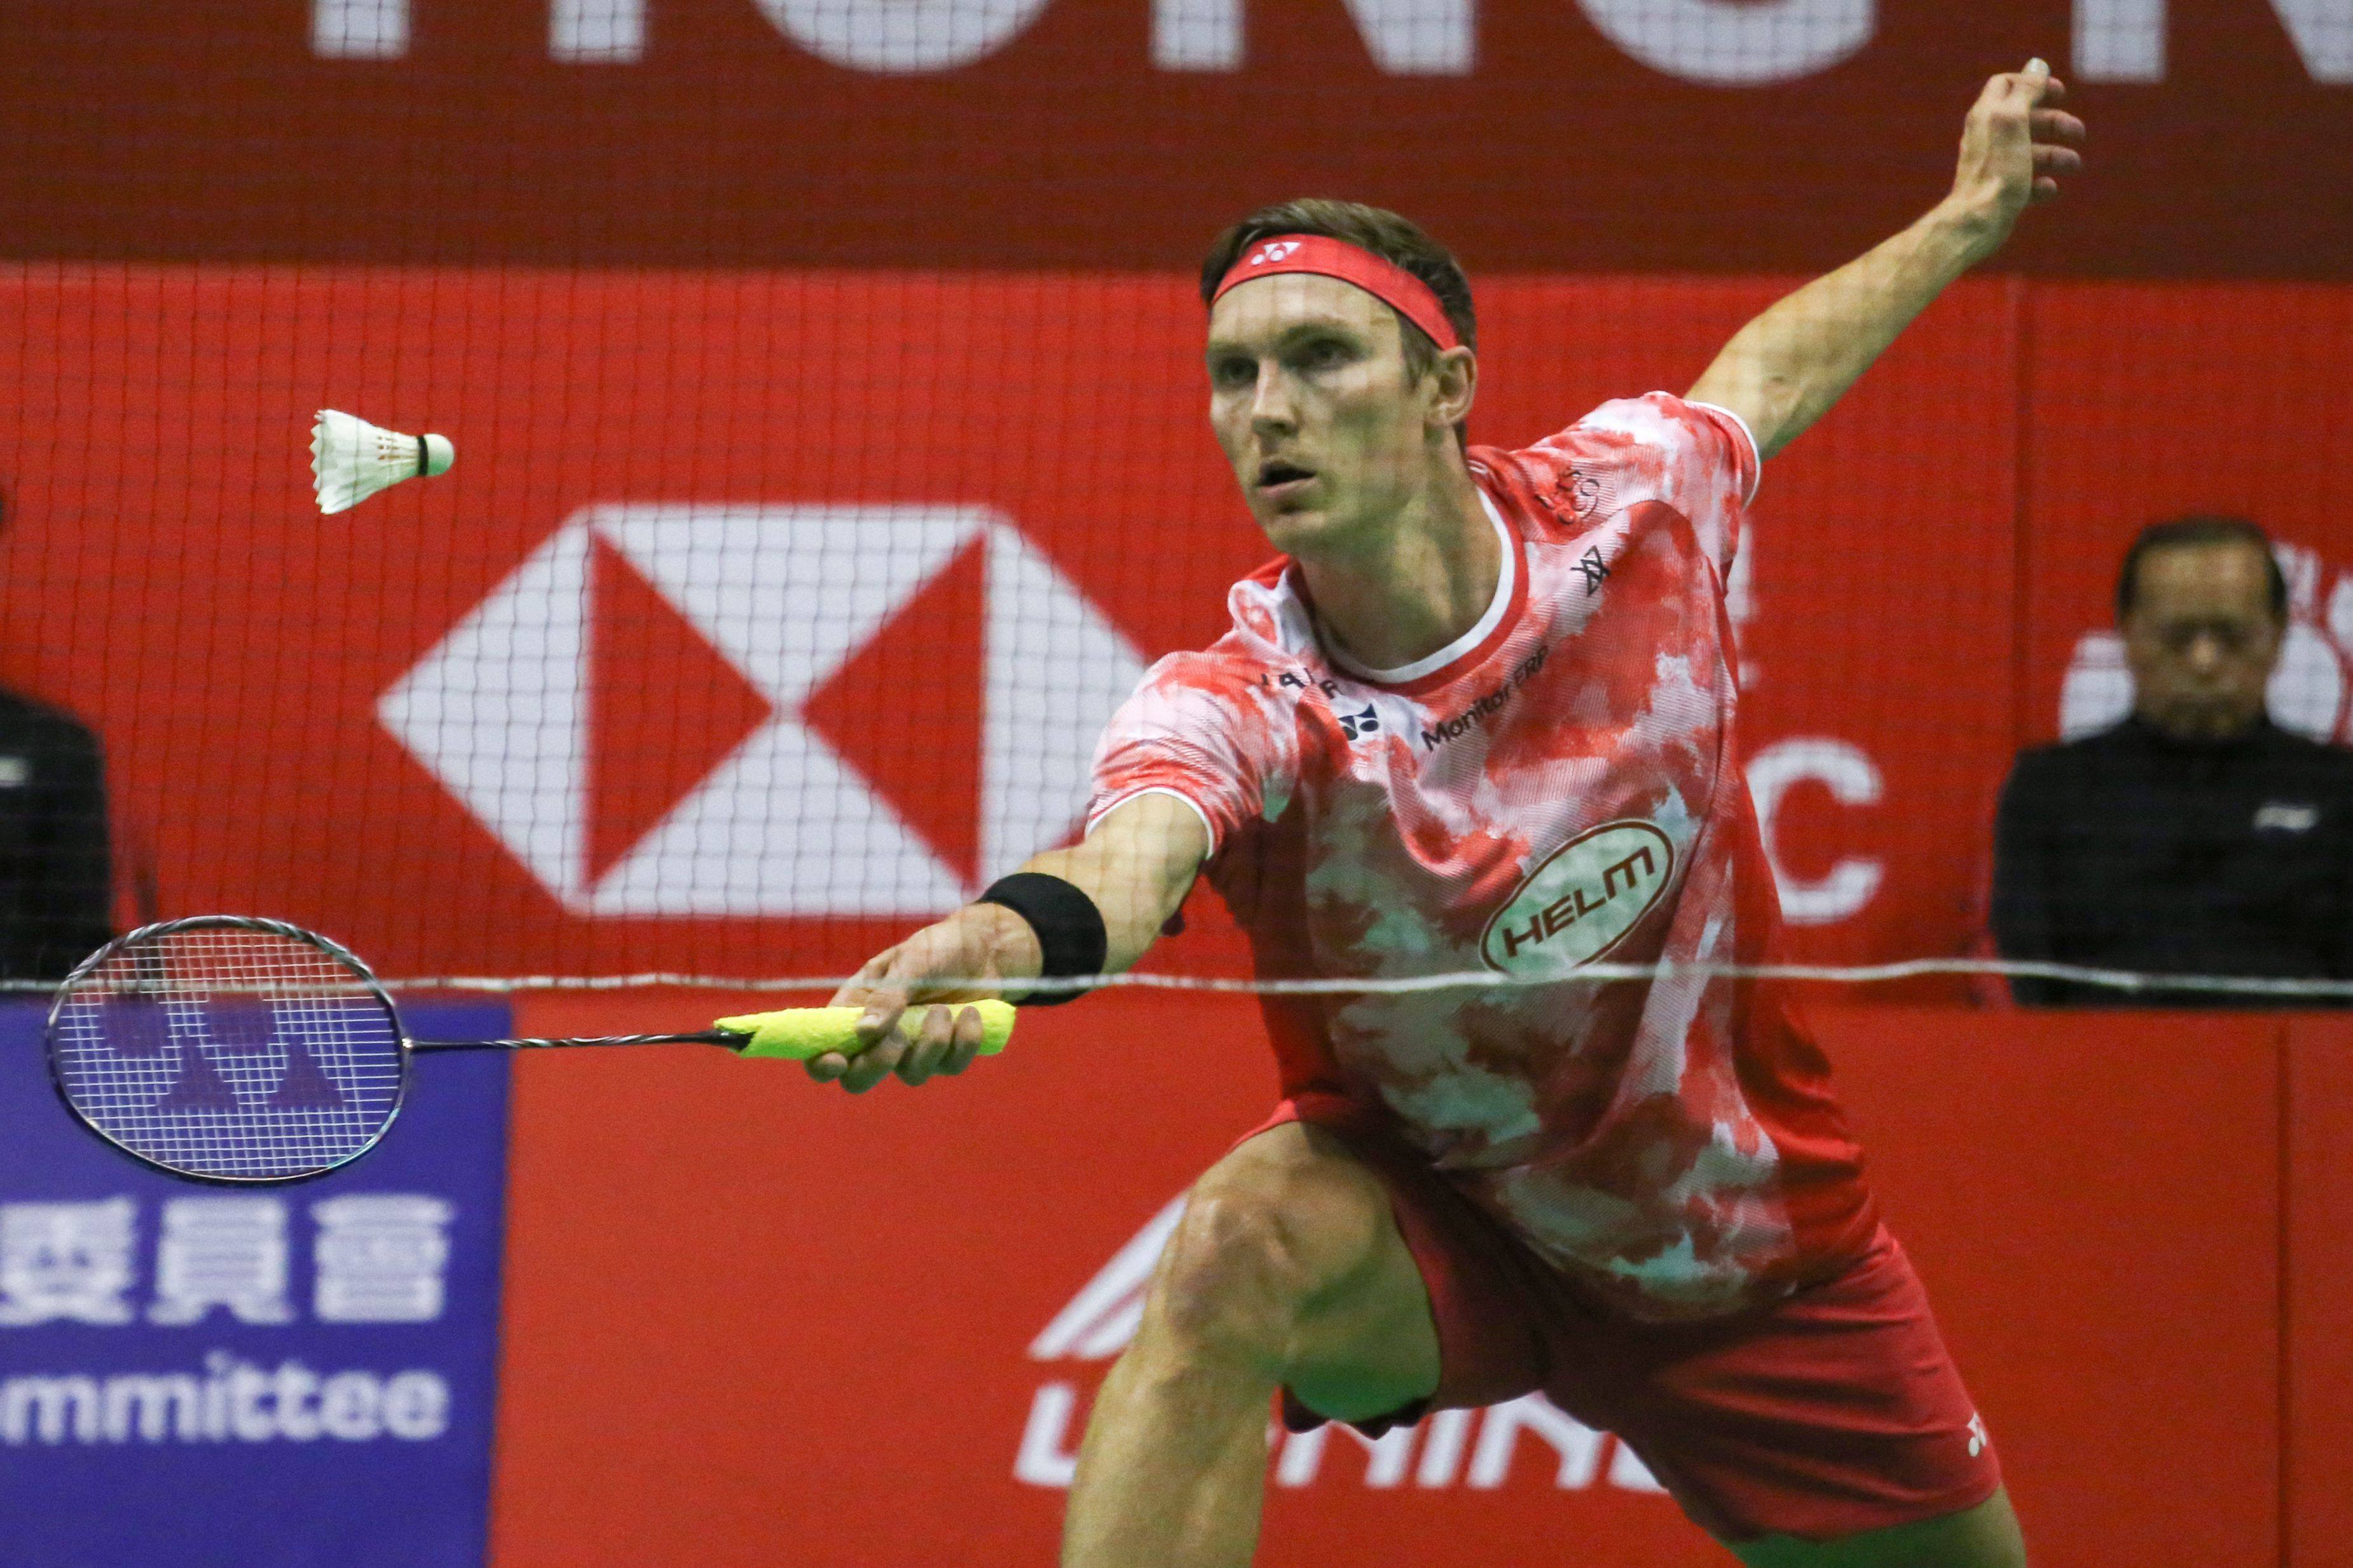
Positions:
{"x": 1475, "y": 1448}
{"x": 1274, "y": 250}
{"x": 700, "y": 709}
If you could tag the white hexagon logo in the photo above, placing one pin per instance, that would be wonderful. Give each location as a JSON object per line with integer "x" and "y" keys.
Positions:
{"x": 530, "y": 713}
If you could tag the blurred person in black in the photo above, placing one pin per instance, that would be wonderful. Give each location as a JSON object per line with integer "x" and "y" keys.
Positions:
{"x": 56, "y": 871}
{"x": 2196, "y": 836}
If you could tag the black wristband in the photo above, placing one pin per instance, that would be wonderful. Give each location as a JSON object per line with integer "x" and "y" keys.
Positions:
{"x": 1071, "y": 935}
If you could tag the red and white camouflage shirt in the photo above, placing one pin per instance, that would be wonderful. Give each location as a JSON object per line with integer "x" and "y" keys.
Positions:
{"x": 1558, "y": 785}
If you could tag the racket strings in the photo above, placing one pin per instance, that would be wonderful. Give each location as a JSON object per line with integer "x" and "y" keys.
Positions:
{"x": 229, "y": 1051}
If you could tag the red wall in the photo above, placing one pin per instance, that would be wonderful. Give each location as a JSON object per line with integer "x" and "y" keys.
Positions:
{"x": 2139, "y": 401}
{"x": 1921, "y": 566}
{"x": 1536, "y": 137}
{"x": 749, "y": 1319}
{"x": 2317, "y": 1247}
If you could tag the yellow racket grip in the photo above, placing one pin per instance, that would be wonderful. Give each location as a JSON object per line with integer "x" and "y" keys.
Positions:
{"x": 800, "y": 1034}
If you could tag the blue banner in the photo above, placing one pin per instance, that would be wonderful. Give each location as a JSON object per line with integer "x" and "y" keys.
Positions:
{"x": 197, "y": 1376}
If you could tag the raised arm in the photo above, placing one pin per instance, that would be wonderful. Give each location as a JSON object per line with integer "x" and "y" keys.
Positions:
{"x": 1783, "y": 370}
{"x": 1135, "y": 867}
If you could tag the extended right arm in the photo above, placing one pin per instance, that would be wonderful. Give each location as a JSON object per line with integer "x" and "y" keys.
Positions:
{"x": 1136, "y": 866}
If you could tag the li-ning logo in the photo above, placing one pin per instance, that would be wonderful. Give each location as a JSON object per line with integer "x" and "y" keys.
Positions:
{"x": 1273, "y": 250}
{"x": 1586, "y": 896}
{"x": 1359, "y": 725}
{"x": 1518, "y": 1437}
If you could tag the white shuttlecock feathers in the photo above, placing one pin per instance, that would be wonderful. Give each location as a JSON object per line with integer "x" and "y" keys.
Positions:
{"x": 351, "y": 459}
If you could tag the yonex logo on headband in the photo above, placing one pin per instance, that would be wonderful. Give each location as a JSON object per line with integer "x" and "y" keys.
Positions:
{"x": 1320, "y": 254}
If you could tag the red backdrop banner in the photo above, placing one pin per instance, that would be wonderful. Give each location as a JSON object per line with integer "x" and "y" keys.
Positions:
{"x": 1727, "y": 136}
{"x": 765, "y": 613}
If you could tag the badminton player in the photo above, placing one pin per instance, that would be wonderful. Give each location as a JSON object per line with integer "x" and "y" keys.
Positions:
{"x": 1480, "y": 715}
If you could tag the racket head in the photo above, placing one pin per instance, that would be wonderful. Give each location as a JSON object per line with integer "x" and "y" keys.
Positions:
{"x": 230, "y": 1048}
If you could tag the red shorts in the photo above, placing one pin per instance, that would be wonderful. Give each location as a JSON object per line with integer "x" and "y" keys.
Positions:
{"x": 1834, "y": 1411}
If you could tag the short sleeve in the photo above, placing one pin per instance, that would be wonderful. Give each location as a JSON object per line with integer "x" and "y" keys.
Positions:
{"x": 1735, "y": 445}
{"x": 1198, "y": 731}
{"x": 1698, "y": 458}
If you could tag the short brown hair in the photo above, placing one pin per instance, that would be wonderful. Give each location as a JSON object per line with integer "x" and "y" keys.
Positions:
{"x": 1394, "y": 239}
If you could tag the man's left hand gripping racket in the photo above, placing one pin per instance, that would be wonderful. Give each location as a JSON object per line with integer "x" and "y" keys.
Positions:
{"x": 230, "y": 1048}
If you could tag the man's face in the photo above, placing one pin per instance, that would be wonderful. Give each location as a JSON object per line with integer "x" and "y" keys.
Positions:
{"x": 1327, "y": 431}
{"x": 2201, "y": 639}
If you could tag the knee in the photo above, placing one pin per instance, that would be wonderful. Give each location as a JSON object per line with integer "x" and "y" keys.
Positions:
{"x": 1274, "y": 1231}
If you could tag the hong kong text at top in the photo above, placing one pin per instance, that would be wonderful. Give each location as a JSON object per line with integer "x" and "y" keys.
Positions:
{"x": 1725, "y": 136}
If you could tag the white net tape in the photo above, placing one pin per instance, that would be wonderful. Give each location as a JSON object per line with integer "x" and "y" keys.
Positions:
{"x": 2121, "y": 980}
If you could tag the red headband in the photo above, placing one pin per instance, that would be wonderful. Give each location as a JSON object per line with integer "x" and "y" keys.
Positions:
{"x": 1383, "y": 280}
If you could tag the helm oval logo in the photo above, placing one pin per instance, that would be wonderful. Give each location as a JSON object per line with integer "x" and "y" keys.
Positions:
{"x": 1575, "y": 906}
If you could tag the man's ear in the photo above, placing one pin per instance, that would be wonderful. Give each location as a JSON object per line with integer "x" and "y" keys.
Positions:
{"x": 1454, "y": 377}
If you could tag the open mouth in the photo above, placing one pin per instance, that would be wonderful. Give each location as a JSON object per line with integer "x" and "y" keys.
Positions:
{"x": 1276, "y": 478}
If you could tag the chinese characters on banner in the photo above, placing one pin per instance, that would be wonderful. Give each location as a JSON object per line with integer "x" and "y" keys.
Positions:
{"x": 379, "y": 1259}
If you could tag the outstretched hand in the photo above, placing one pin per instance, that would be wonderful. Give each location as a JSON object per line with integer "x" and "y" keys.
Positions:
{"x": 967, "y": 945}
{"x": 2015, "y": 148}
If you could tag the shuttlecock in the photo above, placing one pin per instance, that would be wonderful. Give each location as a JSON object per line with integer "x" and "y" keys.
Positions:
{"x": 351, "y": 459}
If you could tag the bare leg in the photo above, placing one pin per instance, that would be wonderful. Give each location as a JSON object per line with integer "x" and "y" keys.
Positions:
{"x": 1985, "y": 1536}
{"x": 1288, "y": 1268}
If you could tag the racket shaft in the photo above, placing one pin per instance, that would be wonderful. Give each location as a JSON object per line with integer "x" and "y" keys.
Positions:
{"x": 796, "y": 1034}
{"x": 702, "y": 1038}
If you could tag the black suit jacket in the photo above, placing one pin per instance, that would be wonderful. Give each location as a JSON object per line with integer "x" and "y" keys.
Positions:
{"x": 56, "y": 876}
{"x": 2125, "y": 850}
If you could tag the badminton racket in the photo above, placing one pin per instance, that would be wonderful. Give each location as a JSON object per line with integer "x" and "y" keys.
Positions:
{"x": 236, "y": 1049}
